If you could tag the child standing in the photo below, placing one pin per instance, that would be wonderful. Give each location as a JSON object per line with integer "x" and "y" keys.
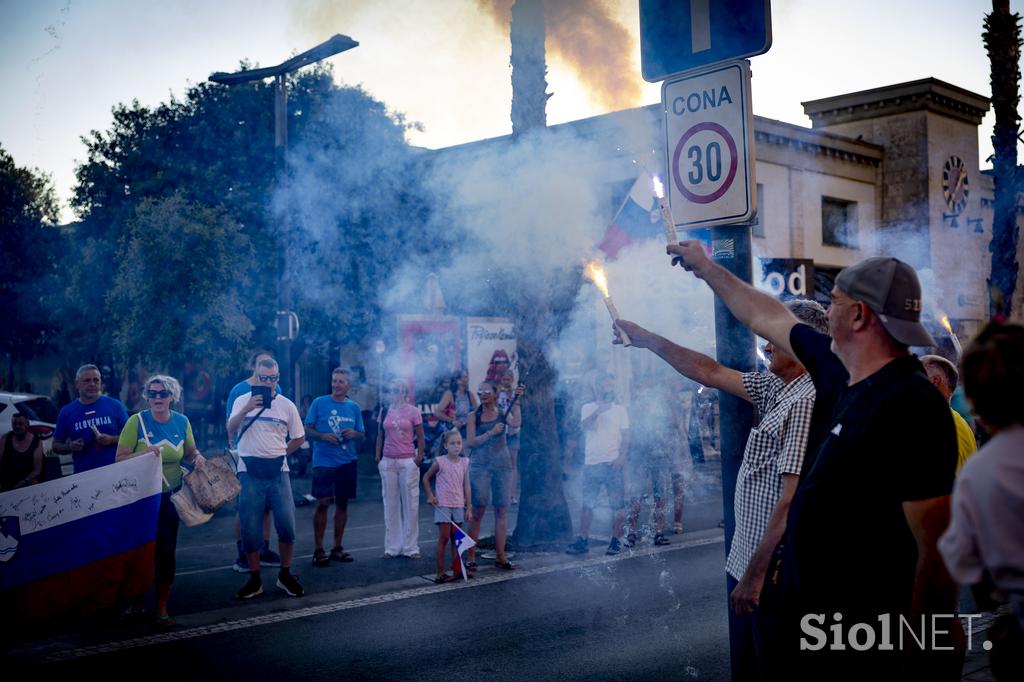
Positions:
{"x": 452, "y": 502}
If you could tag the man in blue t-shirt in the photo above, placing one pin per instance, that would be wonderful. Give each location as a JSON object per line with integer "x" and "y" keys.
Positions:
{"x": 334, "y": 424}
{"x": 88, "y": 428}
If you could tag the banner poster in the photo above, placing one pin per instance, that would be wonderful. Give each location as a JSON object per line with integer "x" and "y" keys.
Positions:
{"x": 490, "y": 349}
{"x": 431, "y": 351}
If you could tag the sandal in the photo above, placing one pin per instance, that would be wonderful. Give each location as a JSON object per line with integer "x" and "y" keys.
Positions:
{"x": 504, "y": 565}
{"x": 660, "y": 540}
{"x": 339, "y": 554}
{"x": 163, "y": 620}
{"x": 320, "y": 559}
{"x": 443, "y": 578}
{"x": 471, "y": 566}
{"x": 631, "y": 540}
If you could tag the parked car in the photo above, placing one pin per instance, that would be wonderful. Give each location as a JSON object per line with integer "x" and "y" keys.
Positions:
{"x": 42, "y": 419}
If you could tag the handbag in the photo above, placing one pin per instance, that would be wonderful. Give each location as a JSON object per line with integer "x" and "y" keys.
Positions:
{"x": 189, "y": 511}
{"x": 213, "y": 483}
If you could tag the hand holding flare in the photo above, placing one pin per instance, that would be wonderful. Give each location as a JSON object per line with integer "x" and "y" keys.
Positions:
{"x": 595, "y": 273}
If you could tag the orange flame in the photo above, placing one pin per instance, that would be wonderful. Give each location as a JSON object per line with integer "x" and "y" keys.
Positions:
{"x": 595, "y": 273}
{"x": 945, "y": 323}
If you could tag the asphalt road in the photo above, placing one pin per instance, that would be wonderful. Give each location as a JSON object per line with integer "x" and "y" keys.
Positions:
{"x": 650, "y": 611}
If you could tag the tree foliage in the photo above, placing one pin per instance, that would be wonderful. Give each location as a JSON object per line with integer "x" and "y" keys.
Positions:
{"x": 175, "y": 297}
{"x": 312, "y": 223}
{"x": 28, "y": 239}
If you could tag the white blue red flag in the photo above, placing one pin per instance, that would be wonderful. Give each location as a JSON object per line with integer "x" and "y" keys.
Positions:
{"x": 462, "y": 542}
{"x": 639, "y": 218}
{"x": 80, "y": 544}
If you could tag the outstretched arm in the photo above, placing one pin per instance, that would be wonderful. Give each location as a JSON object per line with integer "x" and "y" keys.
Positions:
{"x": 760, "y": 312}
{"x": 689, "y": 363}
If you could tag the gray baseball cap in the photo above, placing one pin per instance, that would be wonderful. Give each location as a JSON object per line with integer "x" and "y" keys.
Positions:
{"x": 891, "y": 289}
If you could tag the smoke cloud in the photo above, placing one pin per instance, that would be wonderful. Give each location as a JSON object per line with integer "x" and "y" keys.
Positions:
{"x": 587, "y": 38}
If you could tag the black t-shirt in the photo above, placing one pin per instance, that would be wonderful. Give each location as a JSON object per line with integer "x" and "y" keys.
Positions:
{"x": 883, "y": 441}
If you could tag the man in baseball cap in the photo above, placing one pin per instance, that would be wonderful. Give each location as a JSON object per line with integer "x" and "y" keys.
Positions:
{"x": 862, "y": 531}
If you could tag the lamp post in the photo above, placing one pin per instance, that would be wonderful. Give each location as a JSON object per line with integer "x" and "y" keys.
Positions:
{"x": 332, "y": 46}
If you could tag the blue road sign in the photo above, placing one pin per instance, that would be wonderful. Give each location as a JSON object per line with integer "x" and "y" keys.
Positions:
{"x": 680, "y": 35}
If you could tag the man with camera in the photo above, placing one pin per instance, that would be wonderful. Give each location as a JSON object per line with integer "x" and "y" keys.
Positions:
{"x": 269, "y": 429}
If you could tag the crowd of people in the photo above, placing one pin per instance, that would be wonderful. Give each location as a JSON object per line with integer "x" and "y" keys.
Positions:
{"x": 860, "y": 495}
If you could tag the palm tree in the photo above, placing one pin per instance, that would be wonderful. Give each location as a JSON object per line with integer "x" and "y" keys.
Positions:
{"x": 1003, "y": 42}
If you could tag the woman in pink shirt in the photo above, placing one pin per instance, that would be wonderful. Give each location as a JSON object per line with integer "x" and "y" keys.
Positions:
{"x": 400, "y": 444}
{"x": 453, "y": 495}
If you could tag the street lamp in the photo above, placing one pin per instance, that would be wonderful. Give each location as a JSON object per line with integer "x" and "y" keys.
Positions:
{"x": 331, "y": 46}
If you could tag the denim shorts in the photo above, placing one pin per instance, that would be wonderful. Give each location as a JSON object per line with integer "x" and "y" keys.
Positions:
{"x": 257, "y": 495}
{"x": 604, "y": 474}
{"x": 445, "y": 514}
{"x": 490, "y": 486}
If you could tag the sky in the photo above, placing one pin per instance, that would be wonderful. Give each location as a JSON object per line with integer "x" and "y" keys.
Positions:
{"x": 441, "y": 63}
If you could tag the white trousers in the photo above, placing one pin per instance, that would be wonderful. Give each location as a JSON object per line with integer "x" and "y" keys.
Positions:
{"x": 400, "y": 487}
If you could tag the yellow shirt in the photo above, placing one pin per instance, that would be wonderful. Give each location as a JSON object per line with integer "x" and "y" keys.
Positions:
{"x": 966, "y": 445}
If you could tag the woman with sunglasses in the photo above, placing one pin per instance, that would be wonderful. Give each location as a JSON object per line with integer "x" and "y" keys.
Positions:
{"x": 400, "y": 445}
{"x": 490, "y": 472}
{"x": 161, "y": 432}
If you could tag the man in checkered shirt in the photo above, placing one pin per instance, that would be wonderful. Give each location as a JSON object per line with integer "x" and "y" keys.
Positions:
{"x": 768, "y": 476}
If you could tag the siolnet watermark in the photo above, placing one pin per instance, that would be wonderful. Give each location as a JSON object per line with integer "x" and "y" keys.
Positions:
{"x": 887, "y": 633}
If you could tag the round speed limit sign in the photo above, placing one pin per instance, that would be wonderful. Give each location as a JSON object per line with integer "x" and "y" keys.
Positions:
{"x": 704, "y": 162}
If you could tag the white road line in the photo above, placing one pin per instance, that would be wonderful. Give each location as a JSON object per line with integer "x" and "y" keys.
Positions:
{"x": 268, "y": 619}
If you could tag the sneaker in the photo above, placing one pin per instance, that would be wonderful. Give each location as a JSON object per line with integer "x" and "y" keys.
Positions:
{"x": 614, "y": 547}
{"x": 578, "y": 547}
{"x": 677, "y": 529}
{"x": 339, "y": 554}
{"x": 241, "y": 564}
{"x": 320, "y": 558}
{"x": 660, "y": 540}
{"x": 290, "y": 584}
{"x": 269, "y": 557}
{"x": 250, "y": 589}
{"x": 631, "y": 540}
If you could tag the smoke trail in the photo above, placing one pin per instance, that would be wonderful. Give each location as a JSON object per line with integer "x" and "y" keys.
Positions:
{"x": 586, "y": 36}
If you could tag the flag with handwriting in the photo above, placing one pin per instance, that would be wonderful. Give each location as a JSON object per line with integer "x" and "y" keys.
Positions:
{"x": 80, "y": 544}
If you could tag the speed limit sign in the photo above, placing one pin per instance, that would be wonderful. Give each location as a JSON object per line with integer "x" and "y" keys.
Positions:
{"x": 709, "y": 131}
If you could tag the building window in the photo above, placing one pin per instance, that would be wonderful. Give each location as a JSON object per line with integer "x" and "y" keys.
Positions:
{"x": 757, "y": 227}
{"x": 838, "y": 222}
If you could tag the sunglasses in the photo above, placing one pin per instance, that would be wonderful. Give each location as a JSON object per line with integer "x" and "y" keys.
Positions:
{"x": 158, "y": 394}
{"x": 483, "y": 393}
{"x": 268, "y": 377}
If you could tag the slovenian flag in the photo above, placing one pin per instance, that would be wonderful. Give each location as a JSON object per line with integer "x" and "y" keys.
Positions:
{"x": 80, "y": 544}
{"x": 462, "y": 542}
{"x": 638, "y": 218}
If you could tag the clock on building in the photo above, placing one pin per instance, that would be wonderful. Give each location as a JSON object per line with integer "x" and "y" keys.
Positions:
{"x": 954, "y": 184}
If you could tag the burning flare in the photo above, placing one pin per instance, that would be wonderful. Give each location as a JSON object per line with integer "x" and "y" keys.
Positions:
{"x": 659, "y": 187}
{"x": 952, "y": 337}
{"x": 595, "y": 273}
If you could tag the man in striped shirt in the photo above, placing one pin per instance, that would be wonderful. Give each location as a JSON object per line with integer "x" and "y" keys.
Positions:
{"x": 768, "y": 476}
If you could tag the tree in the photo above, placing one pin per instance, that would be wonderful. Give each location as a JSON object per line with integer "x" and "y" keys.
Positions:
{"x": 1003, "y": 42}
{"x": 28, "y": 236}
{"x": 176, "y": 295}
{"x": 319, "y": 216}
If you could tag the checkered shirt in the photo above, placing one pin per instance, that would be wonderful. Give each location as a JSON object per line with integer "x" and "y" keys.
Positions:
{"x": 775, "y": 447}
